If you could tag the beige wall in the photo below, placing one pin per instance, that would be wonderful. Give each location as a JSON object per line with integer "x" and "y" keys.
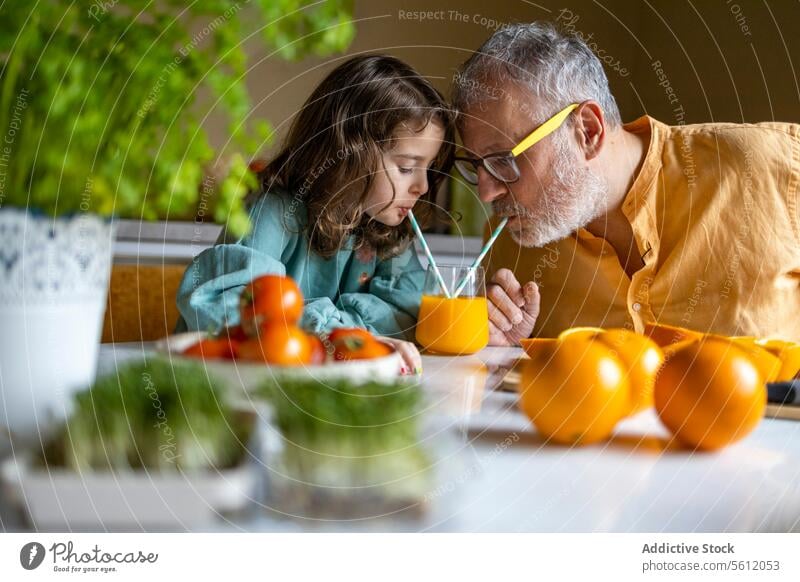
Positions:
{"x": 716, "y": 68}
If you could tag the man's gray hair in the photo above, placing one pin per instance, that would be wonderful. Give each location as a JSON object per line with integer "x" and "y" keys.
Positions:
{"x": 558, "y": 69}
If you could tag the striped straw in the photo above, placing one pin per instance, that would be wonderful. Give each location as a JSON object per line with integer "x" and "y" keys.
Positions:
{"x": 479, "y": 258}
{"x": 428, "y": 253}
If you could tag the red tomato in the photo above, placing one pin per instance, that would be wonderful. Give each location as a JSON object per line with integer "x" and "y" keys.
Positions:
{"x": 278, "y": 344}
{"x": 267, "y": 299}
{"x": 210, "y": 349}
{"x": 356, "y": 344}
{"x": 234, "y": 333}
{"x": 349, "y": 332}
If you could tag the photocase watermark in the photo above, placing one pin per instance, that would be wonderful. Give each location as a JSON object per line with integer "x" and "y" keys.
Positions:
{"x": 568, "y": 21}
{"x": 66, "y": 559}
{"x": 483, "y": 91}
{"x": 739, "y": 18}
{"x": 31, "y": 555}
{"x": 451, "y": 16}
{"x": 473, "y": 470}
{"x": 99, "y": 9}
{"x": 183, "y": 52}
{"x": 743, "y": 233}
{"x": 546, "y": 261}
{"x": 207, "y": 189}
{"x": 86, "y": 195}
{"x": 298, "y": 197}
{"x": 672, "y": 97}
{"x": 168, "y": 448}
{"x": 14, "y": 126}
{"x": 693, "y": 301}
{"x": 546, "y": 504}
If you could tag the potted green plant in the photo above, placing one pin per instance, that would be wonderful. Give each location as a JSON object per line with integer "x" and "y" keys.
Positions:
{"x": 348, "y": 451}
{"x": 100, "y": 118}
{"x": 155, "y": 444}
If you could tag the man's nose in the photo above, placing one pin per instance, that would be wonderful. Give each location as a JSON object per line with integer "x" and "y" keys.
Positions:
{"x": 489, "y": 187}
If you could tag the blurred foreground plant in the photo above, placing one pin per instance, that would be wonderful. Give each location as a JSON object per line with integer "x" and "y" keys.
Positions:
{"x": 349, "y": 450}
{"x": 154, "y": 415}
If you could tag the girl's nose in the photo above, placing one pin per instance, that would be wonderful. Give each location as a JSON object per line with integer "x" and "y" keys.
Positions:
{"x": 420, "y": 184}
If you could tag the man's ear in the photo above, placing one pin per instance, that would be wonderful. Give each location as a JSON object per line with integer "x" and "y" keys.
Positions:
{"x": 590, "y": 128}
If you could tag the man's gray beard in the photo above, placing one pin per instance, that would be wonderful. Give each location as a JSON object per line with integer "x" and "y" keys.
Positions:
{"x": 571, "y": 200}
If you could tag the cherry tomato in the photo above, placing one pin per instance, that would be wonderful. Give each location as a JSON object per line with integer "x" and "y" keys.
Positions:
{"x": 233, "y": 332}
{"x": 318, "y": 352}
{"x": 267, "y": 299}
{"x": 356, "y": 344}
{"x": 278, "y": 344}
{"x": 349, "y": 332}
{"x": 211, "y": 349}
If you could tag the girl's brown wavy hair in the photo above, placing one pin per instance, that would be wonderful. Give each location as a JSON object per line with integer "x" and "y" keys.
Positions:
{"x": 335, "y": 146}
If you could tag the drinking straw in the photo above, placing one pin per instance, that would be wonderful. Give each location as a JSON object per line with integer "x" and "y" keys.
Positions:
{"x": 482, "y": 254}
{"x": 428, "y": 253}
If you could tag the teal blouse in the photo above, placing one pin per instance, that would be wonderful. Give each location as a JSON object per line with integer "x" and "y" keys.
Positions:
{"x": 350, "y": 289}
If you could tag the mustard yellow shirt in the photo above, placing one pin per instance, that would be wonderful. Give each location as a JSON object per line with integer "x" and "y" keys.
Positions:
{"x": 714, "y": 211}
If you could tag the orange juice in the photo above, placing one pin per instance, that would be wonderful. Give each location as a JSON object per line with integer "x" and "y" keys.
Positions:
{"x": 453, "y": 326}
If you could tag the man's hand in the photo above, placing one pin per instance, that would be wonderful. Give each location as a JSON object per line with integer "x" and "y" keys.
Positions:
{"x": 513, "y": 309}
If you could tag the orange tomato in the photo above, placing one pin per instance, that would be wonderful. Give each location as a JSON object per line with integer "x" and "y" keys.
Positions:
{"x": 342, "y": 333}
{"x": 267, "y": 299}
{"x": 233, "y": 332}
{"x": 278, "y": 344}
{"x": 640, "y": 355}
{"x": 213, "y": 348}
{"x": 574, "y": 391}
{"x": 642, "y": 358}
{"x": 318, "y": 352}
{"x": 356, "y": 344}
{"x": 665, "y": 335}
{"x": 779, "y": 360}
{"x": 789, "y": 355}
{"x": 768, "y": 364}
{"x": 530, "y": 345}
{"x": 709, "y": 393}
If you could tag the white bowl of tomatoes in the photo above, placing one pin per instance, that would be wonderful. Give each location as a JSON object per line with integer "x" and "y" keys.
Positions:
{"x": 268, "y": 343}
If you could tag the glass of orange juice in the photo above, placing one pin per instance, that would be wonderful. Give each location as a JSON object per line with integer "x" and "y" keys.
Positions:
{"x": 455, "y": 325}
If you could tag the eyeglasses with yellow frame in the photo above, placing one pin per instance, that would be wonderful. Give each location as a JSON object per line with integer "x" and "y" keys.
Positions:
{"x": 502, "y": 165}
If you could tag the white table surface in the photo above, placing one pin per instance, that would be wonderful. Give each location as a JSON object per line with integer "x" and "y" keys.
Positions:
{"x": 505, "y": 478}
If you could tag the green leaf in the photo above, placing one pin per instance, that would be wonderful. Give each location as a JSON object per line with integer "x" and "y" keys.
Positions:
{"x": 110, "y": 98}
{"x": 155, "y": 415}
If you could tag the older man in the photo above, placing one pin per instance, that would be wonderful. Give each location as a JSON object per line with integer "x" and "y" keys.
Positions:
{"x": 620, "y": 225}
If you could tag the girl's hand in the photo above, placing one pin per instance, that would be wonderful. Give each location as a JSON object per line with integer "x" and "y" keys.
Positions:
{"x": 411, "y": 358}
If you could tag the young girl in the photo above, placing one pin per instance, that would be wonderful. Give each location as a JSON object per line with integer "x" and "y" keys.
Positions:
{"x": 372, "y": 140}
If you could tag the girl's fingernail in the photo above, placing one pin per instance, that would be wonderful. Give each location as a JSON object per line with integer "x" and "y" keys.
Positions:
{"x": 418, "y": 370}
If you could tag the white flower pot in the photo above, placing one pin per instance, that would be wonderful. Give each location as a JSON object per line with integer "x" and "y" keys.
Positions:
{"x": 57, "y": 499}
{"x": 53, "y": 286}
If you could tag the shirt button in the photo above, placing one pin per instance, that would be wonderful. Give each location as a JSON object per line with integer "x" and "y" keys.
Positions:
{"x": 637, "y": 306}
